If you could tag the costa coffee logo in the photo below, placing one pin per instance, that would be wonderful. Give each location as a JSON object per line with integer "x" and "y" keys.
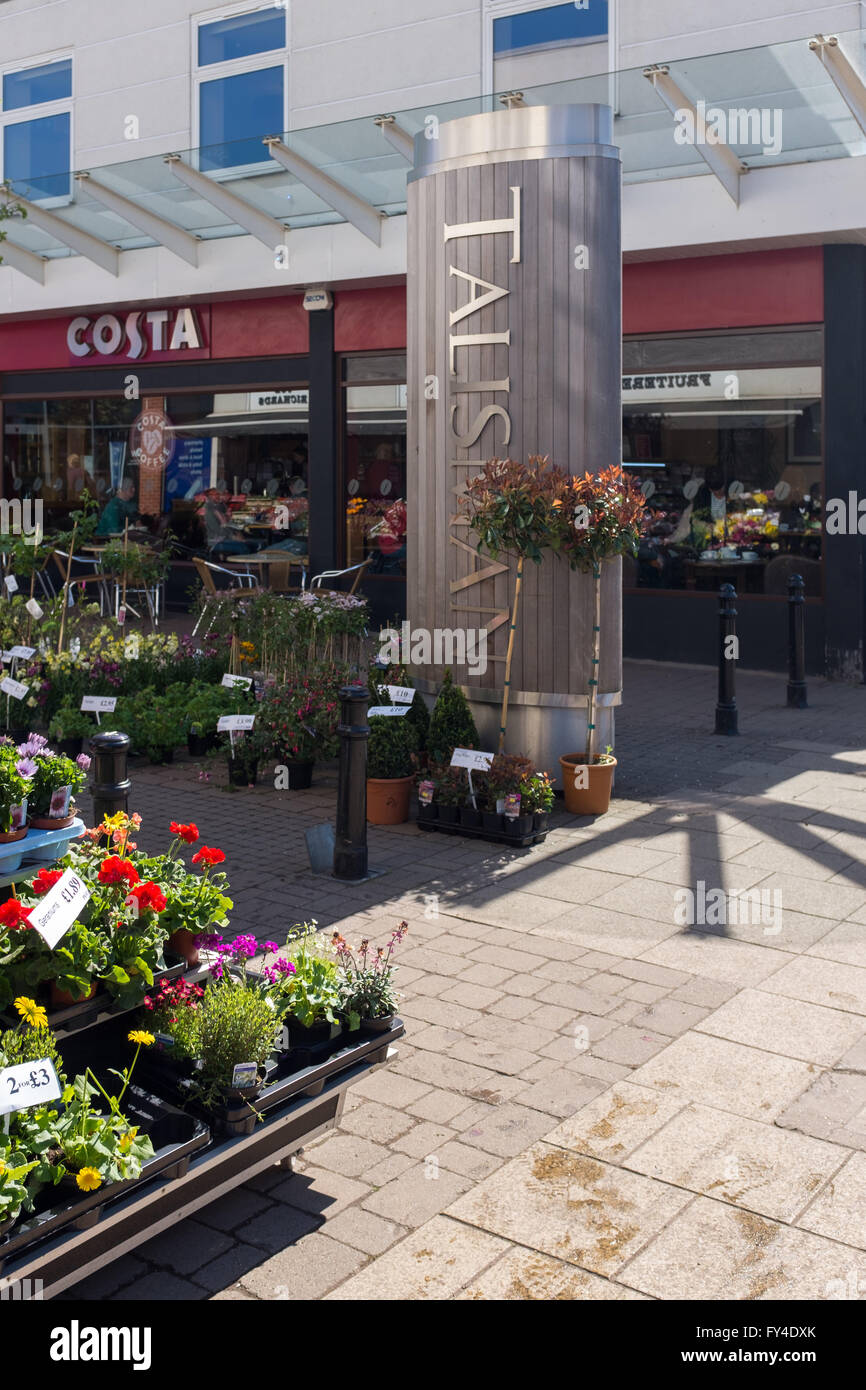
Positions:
{"x": 152, "y": 437}
{"x": 143, "y": 330}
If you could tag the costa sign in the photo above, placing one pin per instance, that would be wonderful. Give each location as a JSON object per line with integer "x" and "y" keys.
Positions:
{"x": 139, "y": 332}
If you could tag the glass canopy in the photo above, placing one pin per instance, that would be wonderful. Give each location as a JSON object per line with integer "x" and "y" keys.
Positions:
{"x": 787, "y": 78}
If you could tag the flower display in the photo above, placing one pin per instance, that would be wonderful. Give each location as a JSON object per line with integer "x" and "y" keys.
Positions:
{"x": 116, "y": 870}
{"x": 208, "y": 856}
{"x": 187, "y": 833}
{"x": 14, "y": 915}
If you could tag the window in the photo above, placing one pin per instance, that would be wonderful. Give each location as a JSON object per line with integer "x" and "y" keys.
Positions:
{"x": 551, "y": 26}
{"x": 242, "y": 88}
{"x": 729, "y": 457}
{"x": 37, "y": 130}
{"x": 374, "y": 471}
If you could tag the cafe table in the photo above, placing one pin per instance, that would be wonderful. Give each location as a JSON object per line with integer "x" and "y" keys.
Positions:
{"x": 263, "y": 560}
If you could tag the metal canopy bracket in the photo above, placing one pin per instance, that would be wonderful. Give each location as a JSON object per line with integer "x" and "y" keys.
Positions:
{"x": 259, "y": 224}
{"x": 397, "y": 137}
{"x": 356, "y": 210}
{"x": 845, "y": 78}
{"x": 19, "y": 258}
{"x": 718, "y": 155}
{"x": 512, "y": 101}
{"x": 103, "y": 255}
{"x": 173, "y": 238}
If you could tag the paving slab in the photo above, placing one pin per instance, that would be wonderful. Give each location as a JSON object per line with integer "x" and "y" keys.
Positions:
{"x": 744, "y": 1080}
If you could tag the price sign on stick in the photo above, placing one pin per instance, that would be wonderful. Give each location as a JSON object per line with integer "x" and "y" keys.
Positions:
{"x": 401, "y": 694}
{"x": 232, "y": 681}
{"x": 24, "y": 653}
{"x": 56, "y": 912}
{"x": 471, "y": 759}
{"x": 28, "y": 1083}
{"x": 17, "y": 689}
{"x": 235, "y": 723}
{"x": 388, "y": 709}
{"x": 99, "y": 704}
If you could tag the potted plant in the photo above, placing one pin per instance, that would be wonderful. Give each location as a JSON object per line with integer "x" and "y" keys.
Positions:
{"x": 389, "y": 769}
{"x": 537, "y": 798}
{"x": 451, "y": 723}
{"x": 234, "y": 1029}
{"x": 298, "y": 722}
{"x": 245, "y": 751}
{"x": 602, "y": 517}
{"x": 308, "y": 993}
{"x": 203, "y": 709}
{"x": 14, "y": 790}
{"x": 68, "y": 728}
{"x": 54, "y": 780}
{"x": 367, "y": 982}
{"x": 451, "y": 791}
{"x": 501, "y": 781}
{"x": 158, "y": 730}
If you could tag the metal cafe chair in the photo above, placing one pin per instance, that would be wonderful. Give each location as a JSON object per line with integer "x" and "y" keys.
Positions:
{"x": 61, "y": 559}
{"x": 358, "y": 571}
{"x": 242, "y": 584}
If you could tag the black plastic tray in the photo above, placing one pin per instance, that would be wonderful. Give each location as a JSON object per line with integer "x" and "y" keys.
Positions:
{"x": 175, "y": 1136}
{"x": 495, "y": 837}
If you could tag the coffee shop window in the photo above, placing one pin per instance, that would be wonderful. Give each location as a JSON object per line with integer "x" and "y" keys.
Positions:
{"x": 730, "y": 463}
{"x": 374, "y": 464}
{"x": 54, "y": 450}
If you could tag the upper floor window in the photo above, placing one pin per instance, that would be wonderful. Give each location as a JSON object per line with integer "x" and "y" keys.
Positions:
{"x": 37, "y": 129}
{"x": 550, "y": 26}
{"x": 242, "y": 87}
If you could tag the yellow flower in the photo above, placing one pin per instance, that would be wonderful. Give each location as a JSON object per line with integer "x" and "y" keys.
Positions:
{"x": 88, "y": 1180}
{"x": 139, "y": 1036}
{"x": 2, "y": 1168}
{"x": 31, "y": 1012}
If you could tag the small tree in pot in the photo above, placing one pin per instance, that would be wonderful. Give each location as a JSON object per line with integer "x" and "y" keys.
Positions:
{"x": 390, "y": 776}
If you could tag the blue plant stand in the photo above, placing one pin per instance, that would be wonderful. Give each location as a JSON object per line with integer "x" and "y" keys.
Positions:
{"x": 23, "y": 858}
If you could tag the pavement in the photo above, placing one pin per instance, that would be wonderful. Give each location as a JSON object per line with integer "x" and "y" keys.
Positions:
{"x": 595, "y": 1098}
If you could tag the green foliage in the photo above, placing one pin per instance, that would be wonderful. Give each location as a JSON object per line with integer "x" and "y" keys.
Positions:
{"x": 233, "y": 1024}
{"x": 536, "y": 793}
{"x": 71, "y": 722}
{"x": 13, "y": 787}
{"x": 52, "y": 773}
{"x": 390, "y": 746}
{"x": 515, "y": 507}
{"x": 451, "y": 723}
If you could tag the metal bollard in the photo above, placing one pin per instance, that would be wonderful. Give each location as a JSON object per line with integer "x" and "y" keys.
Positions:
{"x": 350, "y": 849}
{"x": 726, "y": 707}
{"x": 110, "y": 785}
{"x": 797, "y": 643}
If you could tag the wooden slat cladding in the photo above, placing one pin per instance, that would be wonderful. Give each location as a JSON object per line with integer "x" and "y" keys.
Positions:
{"x": 550, "y": 366}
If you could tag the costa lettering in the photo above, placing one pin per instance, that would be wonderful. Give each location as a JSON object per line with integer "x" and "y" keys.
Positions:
{"x": 139, "y": 332}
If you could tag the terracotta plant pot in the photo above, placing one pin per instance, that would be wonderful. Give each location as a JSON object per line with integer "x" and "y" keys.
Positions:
{"x": 8, "y": 837}
{"x": 182, "y": 942}
{"x": 61, "y": 998}
{"x": 388, "y": 800}
{"x": 50, "y": 822}
{"x": 594, "y": 798}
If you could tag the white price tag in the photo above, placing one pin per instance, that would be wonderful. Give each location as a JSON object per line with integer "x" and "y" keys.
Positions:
{"x": 244, "y": 1075}
{"x": 11, "y": 584}
{"x": 471, "y": 758}
{"x": 26, "y": 1084}
{"x": 55, "y": 914}
{"x": 17, "y": 689}
{"x": 235, "y": 723}
{"x": 401, "y": 694}
{"x": 231, "y": 681}
{"x": 98, "y": 704}
{"x": 33, "y": 609}
{"x": 24, "y": 653}
{"x": 388, "y": 709}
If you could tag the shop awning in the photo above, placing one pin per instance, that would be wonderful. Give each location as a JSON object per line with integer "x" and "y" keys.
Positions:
{"x": 798, "y": 102}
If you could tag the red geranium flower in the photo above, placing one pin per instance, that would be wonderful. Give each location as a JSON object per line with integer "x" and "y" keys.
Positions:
{"x": 117, "y": 870}
{"x": 14, "y": 915}
{"x": 149, "y": 897}
{"x": 208, "y": 856}
{"x": 44, "y": 880}
{"x": 189, "y": 833}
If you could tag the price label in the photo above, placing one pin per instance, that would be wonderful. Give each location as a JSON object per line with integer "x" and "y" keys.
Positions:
{"x": 121, "y": 613}
{"x": 425, "y": 792}
{"x": 17, "y": 689}
{"x": 24, "y": 653}
{"x": 244, "y": 1075}
{"x": 28, "y": 1083}
{"x": 231, "y": 681}
{"x": 471, "y": 758}
{"x": 33, "y": 609}
{"x": 55, "y": 914}
{"x": 388, "y": 710}
{"x": 235, "y": 723}
{"x": 98, "y": 704}
{"x": 401, "y": 694}
{"x": 11, "y": 584}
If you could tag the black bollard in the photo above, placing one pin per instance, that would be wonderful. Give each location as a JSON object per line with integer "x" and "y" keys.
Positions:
{"x": 797, "y": 643}
{"x": 350, "y": 849}
{"x": 110, "y": 785}
{"x": 726, "y": 708}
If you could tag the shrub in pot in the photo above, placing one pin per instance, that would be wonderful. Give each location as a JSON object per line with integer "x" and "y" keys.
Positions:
{"x": 451, "y": 723}
{"x": 536, "y": 793}
{"x": 418, "y": 717}
{"x": 450, "y": 790}
{"x": 503, "y": 779}
{"x": 389, "y": 769}
{"x": 69, "y": 727}
{"x": 159, "y": 729}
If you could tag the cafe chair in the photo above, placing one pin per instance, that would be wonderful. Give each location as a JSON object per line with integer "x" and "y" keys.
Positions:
{"x": 241, "y": 584}
{"x": 97, "y": 578}
{"x": 358, "y": 570}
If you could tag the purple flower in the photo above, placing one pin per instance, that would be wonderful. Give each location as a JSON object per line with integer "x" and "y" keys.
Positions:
{"x": 83, "y": 761}
{"x": 270, "y": 946}
{"x": 25, "y": 767}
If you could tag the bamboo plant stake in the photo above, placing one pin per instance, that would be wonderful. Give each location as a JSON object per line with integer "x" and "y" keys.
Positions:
{"x": 592, "y": 698}
{"x": 503, "y": 720}
{"x": 125, "y": 553}
{"x": 66, "y": 589}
